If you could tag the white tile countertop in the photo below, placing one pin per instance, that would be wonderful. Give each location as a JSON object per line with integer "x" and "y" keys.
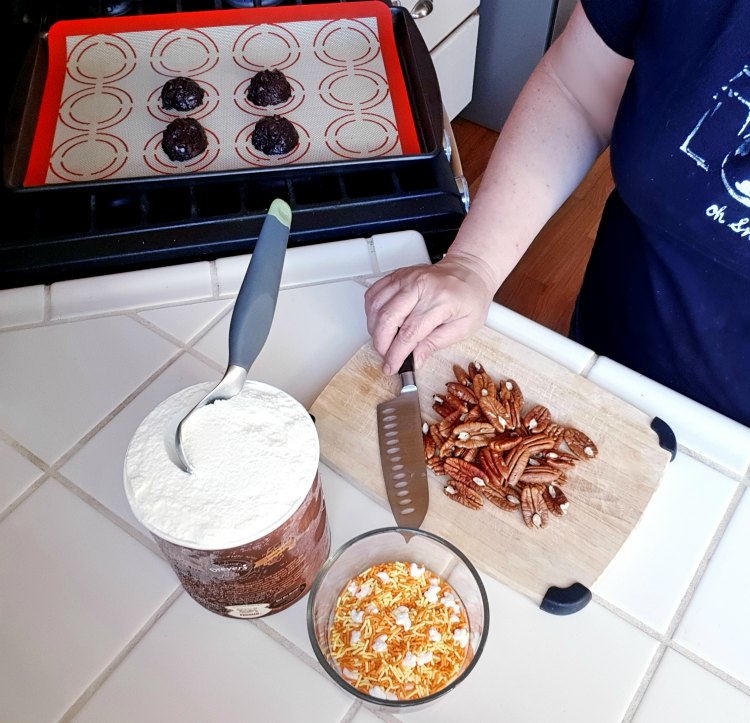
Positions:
{"x": 94, "y": 625}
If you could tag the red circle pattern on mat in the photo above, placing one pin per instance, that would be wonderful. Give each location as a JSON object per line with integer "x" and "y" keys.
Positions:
{"x": 99, "y": 108}
{"x": 356, "y": 89}
{"x": 275, "y": 44}
{"x": 344, "y": 136}
{"x": 101, "y": 154}
{"x": 345, "y": 43}
{"x": 184, "y": 52}
{"x": 100, "y": 59}
{"x": 95, "y": 61}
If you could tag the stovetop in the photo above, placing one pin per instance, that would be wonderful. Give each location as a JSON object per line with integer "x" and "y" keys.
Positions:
{"x": 83, "y": 229}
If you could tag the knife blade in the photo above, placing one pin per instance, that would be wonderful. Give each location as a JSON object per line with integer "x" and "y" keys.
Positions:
{"x": 402, "y": 451}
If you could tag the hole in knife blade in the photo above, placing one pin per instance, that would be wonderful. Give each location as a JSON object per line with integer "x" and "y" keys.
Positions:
{"x": 405, "y": 501}
{"x": 408, "y": 511}
{"x": 400, "y": 484}
{"x": 399, "y": 475}
{"x": 390, "y": 426}
{"x": 391, "y": 450}
{"x": 392, "y": 433}
{"x": 397, "y": 467}
{"x": 401, "y": 493}
{"x": 388, "y": 414}
{"x": 395, "y": 459}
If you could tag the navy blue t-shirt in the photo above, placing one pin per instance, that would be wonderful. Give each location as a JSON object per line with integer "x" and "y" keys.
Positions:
{"x": 667, "y": 289}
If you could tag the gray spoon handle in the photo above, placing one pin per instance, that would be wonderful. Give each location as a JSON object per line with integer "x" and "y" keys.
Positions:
{"x": 256, "y": 301}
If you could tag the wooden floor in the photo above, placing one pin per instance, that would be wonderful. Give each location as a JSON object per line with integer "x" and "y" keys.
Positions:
{"x": 545, "y": 283}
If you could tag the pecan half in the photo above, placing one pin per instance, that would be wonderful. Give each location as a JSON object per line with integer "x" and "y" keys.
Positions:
{"x": 494, "y": 466}
{"x": 579, "y": 443}
{"x": 559, "y": 459}
{"x": 555, "y": 500}
{"x": 462, "y": 376}
{"x": 466, "y": 473}
{"x": 533, "y": 507}
{"x": 495, "y": 412}
{"x": 483, "y": 386}
{"x": 472, "y": 434}
{"x": 437, "y": 465}
{"x": 537, "y": 419}
{"x": 430, "y": 448}
{"x": 474, "y": 368}
{"x": 464, "y": 495}
{"x": 538, "y": 474}
{"x": 511, "y": 394}
{"x": 508, "y": 499}
{"x": 463, "y": 393}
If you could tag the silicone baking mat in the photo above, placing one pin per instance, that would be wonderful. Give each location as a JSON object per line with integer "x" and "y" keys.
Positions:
{"x": 101, "y": 116}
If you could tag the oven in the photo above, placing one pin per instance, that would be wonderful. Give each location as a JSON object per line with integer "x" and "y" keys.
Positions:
{"x": 83, "y": 228}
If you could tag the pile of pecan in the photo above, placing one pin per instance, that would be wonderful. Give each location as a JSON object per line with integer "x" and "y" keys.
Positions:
{"x": 491, "y": 449}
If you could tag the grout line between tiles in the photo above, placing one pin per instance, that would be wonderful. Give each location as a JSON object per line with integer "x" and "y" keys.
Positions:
{"x": 18, "y": 501}
{"x": 18, "y": 447}
{"x": 351, "y": 713}
{"x": 114, "y": 412}
{"x": 712, "y": 463}
{"x": 648, "y": 676}
{"x": 666, "y": 640}
{"x": 186, "y": 346}
{"x": 213, "y": 272}
{"x": 47, "y": 304}
{"x": 109, "y": 514}
{"x": 718, "y": 672}
{"x": 372, "y": 251}
{"x": 704, "y": 563}
{"x": 87, "y": 694}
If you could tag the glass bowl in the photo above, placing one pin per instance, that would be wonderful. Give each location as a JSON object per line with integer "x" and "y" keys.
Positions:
{"x": 417, "y": 549}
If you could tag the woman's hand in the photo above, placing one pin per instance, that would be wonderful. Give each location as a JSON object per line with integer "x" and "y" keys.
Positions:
{"x": 425, "y": 308}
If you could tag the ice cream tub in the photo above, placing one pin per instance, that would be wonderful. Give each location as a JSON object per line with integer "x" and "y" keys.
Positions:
{"x": 246, "y": 531}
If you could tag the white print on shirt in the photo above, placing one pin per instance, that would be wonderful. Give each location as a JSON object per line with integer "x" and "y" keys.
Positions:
{"x": 720, "y": 140}
{"x": 718, "y": 213}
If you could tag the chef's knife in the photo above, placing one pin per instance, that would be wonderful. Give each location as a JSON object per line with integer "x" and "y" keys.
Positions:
{"x": 402, "y": 451}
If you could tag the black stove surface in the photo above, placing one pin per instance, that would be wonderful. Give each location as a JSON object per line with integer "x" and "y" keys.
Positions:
{"x": 73, "y": 230}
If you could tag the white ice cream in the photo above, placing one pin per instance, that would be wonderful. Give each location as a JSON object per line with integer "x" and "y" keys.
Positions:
{"x": 254, "y": 456}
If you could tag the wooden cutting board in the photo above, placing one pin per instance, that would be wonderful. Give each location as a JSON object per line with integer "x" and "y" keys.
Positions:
{"x": 607, "y": 494}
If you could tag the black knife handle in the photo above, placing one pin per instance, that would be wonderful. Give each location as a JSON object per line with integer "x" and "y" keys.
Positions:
{"x": 408, "y": 365}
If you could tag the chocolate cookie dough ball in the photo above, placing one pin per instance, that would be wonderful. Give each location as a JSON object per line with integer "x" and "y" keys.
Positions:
{"x": 269, "y": 87}
{"x": 181, "y": 94}
{"x": 275, "y": 136}
{"x": 183, "y": 139}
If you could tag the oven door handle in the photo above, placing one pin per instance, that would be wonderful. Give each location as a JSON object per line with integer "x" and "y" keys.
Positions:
{"x": 451, "y": 151}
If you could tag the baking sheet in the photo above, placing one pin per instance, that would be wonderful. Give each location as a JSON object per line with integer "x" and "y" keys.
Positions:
{"x": 101, "y": 116}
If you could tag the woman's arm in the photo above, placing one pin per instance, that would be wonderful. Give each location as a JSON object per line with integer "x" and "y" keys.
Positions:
{"x": 560, "y": 123}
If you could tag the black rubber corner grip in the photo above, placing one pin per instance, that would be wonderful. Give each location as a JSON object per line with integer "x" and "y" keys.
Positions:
{"x": 566, "y": 600}
{"x": 667, "y": 440}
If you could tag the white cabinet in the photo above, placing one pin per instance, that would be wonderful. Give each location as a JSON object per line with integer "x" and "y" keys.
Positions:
{"x": 454, "y": 63}
{"x": 450, "y": 29}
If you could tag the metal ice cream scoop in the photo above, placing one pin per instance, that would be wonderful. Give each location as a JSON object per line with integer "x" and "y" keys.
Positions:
{"x": 252, "y": 314}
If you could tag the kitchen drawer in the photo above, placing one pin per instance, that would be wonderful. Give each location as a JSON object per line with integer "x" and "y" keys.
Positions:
{"x": 454, "y": 64}
{"x": 445, "y": 17}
